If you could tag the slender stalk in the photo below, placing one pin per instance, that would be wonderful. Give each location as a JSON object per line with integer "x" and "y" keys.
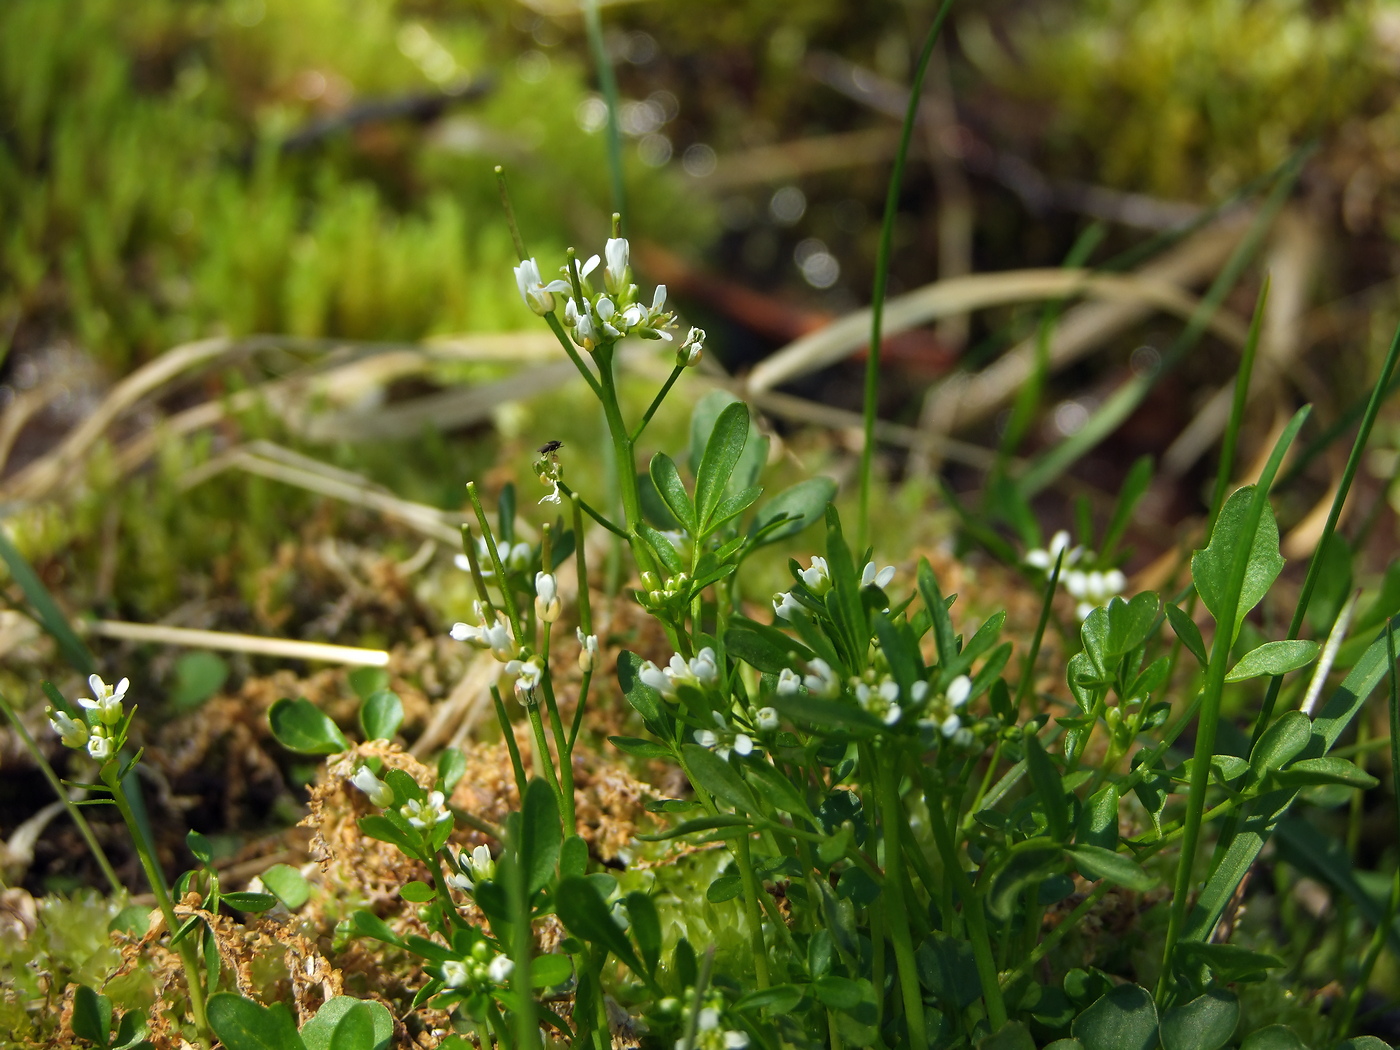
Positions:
{"x": 624, "y": 458}
{"x": 656, "y": 401}
{"x": 1210, "y": 700}
{"x": 84, "y": 828}
{"x": 542, "y": 746}
{"x": 189, "y": 958}
{"x": 581, "y": 504}
{"x": 507, "y": 599}
{"x": 568, "y": 344}
{"x": 1023, "y": 689}
{"x": 444, "y": 893}
{"x": 893, "y": 822}
{"x": 520, "y": 252}
{"x": 607, "y": 81}
{"x": 882, "y": 270}
{"x": 1232, "y": 429}
{"x": 525, "y": 1015}
{"x": 509, "y": 733}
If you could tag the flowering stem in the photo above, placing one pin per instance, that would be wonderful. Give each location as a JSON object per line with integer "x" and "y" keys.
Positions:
{"x": 892, "y": 820}
{"x": 563, "y": 744}
{"x": 185, "y": 947}
{"x": 507, "y": 599}
{"x": 84, "y": 828}
{"x": 626, "y": 461}
{"x": 509, "y": 733}
{"x": 569, "y": 349}
{"x": 656, "y": 401}
{"x": 542, "y": 745}
{"x": 585, "y": 611}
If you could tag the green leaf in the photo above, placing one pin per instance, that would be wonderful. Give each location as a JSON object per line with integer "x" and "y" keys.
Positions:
{"x": 1364, "y": 1042}
{"x": 1333, "y": 586}
{"x": 839, "y": 993}
{"x": 1188, "y": 632}
{"x": 640, "y": 748}
{"x": 938, "y": 611}
{"x": 200, "y": 846}
{"x": 718, "y": 777}
{"x": 646, "y": 927}
{"x": 1011, "y": 1036}
{"x": 792, "y": 510}
{"x": 645, "y": 700}
{"x": 1045, "y": 778}
{"x": 322, "y": 1031}
{"x": 1065, "y": 1044}
{"x": 662, "y": 546}
{"x": 300, "y": 726}
{"x": 733, "y": 506}
{"x": 722, "y": 453}
{"x": 1122, "y": 1019}
{"x": 667, "y": 480}
{"x": 131, "y": 1032}
{"x": 781, "y": 793}
{"x": 1210, "y": 568}
{"x": 366, "y": 681}
{"x": 287, "y": 884}
{"x": 242, "y": 1024}
{"x": 354, "y": 1030}
{"x": 1094, "y": 863}
{"x": 198, "y": 676}
{"x": 775, "y": 1000}
{"x": 1033, "y": 863}
{"x": 1228, "y": 962}
{"x": 698, "y": 824}
{"x": 540, "y": 835}
{"x": 1273, "y": 658}
{"x": 583, "y": 911}
{"x": 451, "y": 767}
{"x": 1274, "y": 1037}
{"x": 764, "y": 647}
{"x": 725, "y": 888}
{"x": 92, "y": 1016}
{"x": 1098, "y": 825}
{"x": 1133, "y": 488}
{"x": 550, "y": 970}
{"x": 49, "y": 613}
{"x": 380, "y": 827}
{"x": 254, "y": 902}
{"x": 1282, "y": 742}
{"x": 416, "y": 892}
{"x": 1205, "y": 1023}
{"x": 654, "y": 508}
{"x": 702, "y": 424}
{"x": 381, "y": 715}
{"x": 367, "y": 924}
{"x": 1328, "y": 770}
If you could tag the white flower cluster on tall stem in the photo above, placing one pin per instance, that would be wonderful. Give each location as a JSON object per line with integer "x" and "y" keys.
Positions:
{"x": 880, "y": 699}
{"x": 605, "y": 317}
{"x": 479, "y": 970}
{"x": 101, "y": 735}
{"x": 710, "y": 1034}
{"x": 1090, "y": 588}
{"x": 700, "y": 671}
{"x": 871, "y": 577}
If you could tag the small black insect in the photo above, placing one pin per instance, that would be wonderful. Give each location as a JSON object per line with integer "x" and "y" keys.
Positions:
{"x": 550, "y": 446}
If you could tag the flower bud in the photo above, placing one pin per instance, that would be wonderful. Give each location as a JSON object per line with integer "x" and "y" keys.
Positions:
{"x": 380, "y": 794}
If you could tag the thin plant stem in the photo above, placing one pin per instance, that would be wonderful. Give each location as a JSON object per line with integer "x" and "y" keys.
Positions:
{"x": 186, "y": 949}
{"x": 1210, "y": 698}
{"x": 582, "y": 504}
{"x": 84, "y": 828}
{"x": 525, "y": 1015}
{"x": 507, "y": 598}
{"x": 517, "y": 766}
{"x": 1368, "y": 962}
{"x": 893, "y": 821}
{"x": 542, "y": 745}
{"x": 1028, "y": 672}
{"x": 1237, "y": 405}
{"x": 656, "y": 401}
{"x": 623, "y": 456}
{"x": 607, "y": 82}
{"x": 568, "y": 344}
{"x": 882, "y": 270}
{"x": 520, "y": 252}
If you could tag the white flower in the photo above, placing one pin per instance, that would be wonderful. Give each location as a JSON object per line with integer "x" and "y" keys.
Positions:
{"x": 959, "y": 689}
{"x": 616, "y": 252}
{"x": 704, "y": 668}
{"x": 817, "y": 578}
{"x": 380, "y": 794}
{"x": 657, "y": 679}
{"x": 528, "y": 675}
{"x": 500, "y": 969}
{"x": 455, "y": 973}
{"x": 788, "y": 683}
{"x": 1044, "y": 559}
{"x": 587, "y": 650}
{"x": 100, "y": 744}
{"x": 553, "y": 497}
{"x": 735, "y": 1039}
{"x": 497, "y": 637}
{"x": 822, "y": 681}
{"x": 107, "y": 702}
{"x": 1094, "y": 589}
{"x": 784, "y": 604}
{"x": 766, "y": 719}
{"x": 537, "y": 295}
{"x": 604, "y": 311}
{"x": 699, "y": 672}
{"x": 547, "y": 605}
{"x": 424, "y": 814}
{"x": 881, "y": 701}
{"x": 588, "y": 267}
{"x": 709, "y": 1018}
{"x": 951, "y": 725}
{"x": 918, "y": 692}
{"x": 73, "y": 732}
{"x": 870, "y": 578}
{"x": 724, "y": 740}
{"x": 689, "y": 353}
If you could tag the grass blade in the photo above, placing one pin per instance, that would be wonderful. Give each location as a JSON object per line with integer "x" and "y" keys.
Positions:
{"x": 882, "y": 270}
{"x": 47, "y": 610}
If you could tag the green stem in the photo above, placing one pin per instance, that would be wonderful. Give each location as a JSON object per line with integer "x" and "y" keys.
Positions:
{"x": 656, "y": 401}
{"x": 186, "y": 949}
{"x": 882, "y": 271}
{"x": 579, "y": 503}
{"x": 607, "y": 81}
{"x": 527, "y": 1026}
{"x": 563, "y": 745}
{"x": 624, "y": 458}
{"x": 445, "y": 894}
{"x": 542, "y": 745}
{"x": 508, "y": 732}
{"x": 972, "y": 910}
{"x": 893, "y": 824}
{"x": 84, "y": 828}
{"x": 507, "y": 598}
{"x": 568, "y": 344}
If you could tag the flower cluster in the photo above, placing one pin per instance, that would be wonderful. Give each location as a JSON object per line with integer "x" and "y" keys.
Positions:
{"x": 710, "y": 1033}
{"x": 514, "y": 557}
{"x": 668, "y": 597}
{"x": 944, "y": 710}
{"x": 477, "y": 866}
{"x": 587, "y": 649}
{"x": 495, "y": 636}
{"x": 427, "y": 812}
{"x": 725, "y": 738}
{"x": 103, "y": 731}
{"x": 700, "y": 671}
{"x": 817, "y": 579}
{"x": 481, "y": 969}
{"x": 1090, "y": 588}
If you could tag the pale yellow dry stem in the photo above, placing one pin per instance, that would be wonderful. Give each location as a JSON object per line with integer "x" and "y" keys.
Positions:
{"x": 229, "y": 641}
